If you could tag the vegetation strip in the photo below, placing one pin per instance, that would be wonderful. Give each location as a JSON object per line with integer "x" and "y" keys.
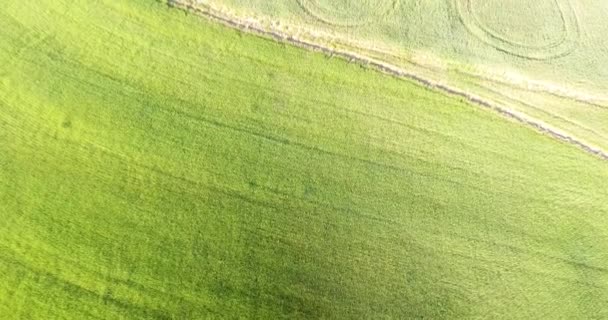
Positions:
{"x": 160, "y": 165}
{"x": 390, "y": 70}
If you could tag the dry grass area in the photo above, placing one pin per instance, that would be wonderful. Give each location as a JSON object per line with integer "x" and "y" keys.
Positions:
{"x": 555, "y": 75}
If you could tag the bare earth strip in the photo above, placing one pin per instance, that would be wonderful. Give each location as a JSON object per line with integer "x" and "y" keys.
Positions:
{"x": 389, "y": 69}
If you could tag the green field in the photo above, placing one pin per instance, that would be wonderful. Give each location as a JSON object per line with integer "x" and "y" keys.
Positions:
{"x": 547, "y": 59}
{"x": 156, "y": 165}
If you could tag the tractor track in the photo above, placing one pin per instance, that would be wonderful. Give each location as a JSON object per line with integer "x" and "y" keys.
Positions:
{"x": 390, "y": 70}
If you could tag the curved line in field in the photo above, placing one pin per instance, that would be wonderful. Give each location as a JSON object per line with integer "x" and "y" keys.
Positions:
{"x": 537, "y": 109}
{"x": 562, "y": 46}
{"x": 313, "y": 9}
{"x": 396, "y": 72}
{"x": 496, "y": 35}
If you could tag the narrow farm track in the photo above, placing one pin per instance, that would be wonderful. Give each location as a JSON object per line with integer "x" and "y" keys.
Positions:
{"x": 393, "y": 71}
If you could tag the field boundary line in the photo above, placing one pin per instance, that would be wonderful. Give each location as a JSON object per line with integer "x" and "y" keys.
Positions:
{"x": 388, "y": 69}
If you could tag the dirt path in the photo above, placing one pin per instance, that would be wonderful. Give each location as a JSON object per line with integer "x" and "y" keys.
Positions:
{"x": 391, "y": 70}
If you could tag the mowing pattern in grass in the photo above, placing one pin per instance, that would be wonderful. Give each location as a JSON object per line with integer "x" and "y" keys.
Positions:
{"x": 154, "y": 165}
{"x": 345, "y": 13}
{"x": 552, "y": 52}
{"x": 542, "y": 30}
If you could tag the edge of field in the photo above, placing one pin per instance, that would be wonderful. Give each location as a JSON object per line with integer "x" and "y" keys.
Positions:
{"x": 380, "y": 61}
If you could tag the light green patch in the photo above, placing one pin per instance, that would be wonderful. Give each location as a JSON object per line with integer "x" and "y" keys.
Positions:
{"x": 550, "y": 51}
{"x": 154, "y": 165}
{"x": 345, "y": 13}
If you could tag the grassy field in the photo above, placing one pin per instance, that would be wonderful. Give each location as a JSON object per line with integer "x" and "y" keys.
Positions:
{"x": 154, "y": 165}
{"x": 552, "y": 52}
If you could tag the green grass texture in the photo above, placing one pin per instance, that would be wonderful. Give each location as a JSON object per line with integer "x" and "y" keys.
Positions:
{"x": 547, "y": 59}
{"x": 154, "y": 165}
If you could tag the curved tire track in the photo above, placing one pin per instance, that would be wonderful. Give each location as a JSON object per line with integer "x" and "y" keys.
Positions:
{"x": 390, "y": 70}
